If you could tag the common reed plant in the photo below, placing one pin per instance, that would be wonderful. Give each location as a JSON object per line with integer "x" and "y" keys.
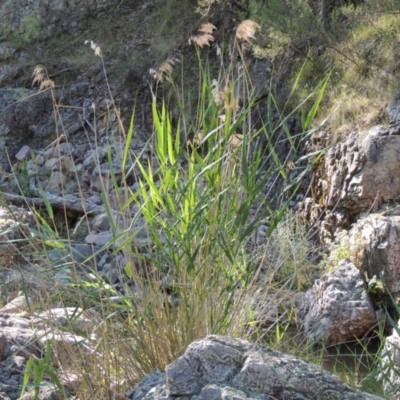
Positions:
{"x": 204, "y": 185}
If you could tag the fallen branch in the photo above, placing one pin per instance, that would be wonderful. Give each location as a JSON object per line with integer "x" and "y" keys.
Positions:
{"x": 71, "y": 203}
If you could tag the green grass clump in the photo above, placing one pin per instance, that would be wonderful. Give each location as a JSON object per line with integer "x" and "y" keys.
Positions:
{"x": 204, "y": 184}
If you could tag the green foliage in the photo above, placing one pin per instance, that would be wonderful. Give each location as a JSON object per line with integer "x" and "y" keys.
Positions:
{"x": 36, "y": 369}
{"x": 205, "y": 182}
{"x": 21, "y": 180}
{"x": 375, "y": 286}
{"x": 31, "y": 27}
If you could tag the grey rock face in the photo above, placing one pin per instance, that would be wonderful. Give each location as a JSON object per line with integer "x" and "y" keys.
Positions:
{"x": 394, "y": 112}
{"x": 226, "y": 368}
{"x": 29, "y": 17}
{"x": 361, "y": 170}
{"x": 379, "y": 254}
{"x": 27, "y": 118}
{"x": 16, "y": 345}
{"x": 358, "y": 176}
{"x": 337, "y": 308}
{"x": 390, "y": 365}
{"x": 23, "y": 336}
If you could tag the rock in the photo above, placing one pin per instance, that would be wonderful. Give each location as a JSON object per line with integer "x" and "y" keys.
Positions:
{"x": 21, "y": 338}
{"x": 99, "y": 239}
{"x": 17, "y": 305}
{"x": 56, "y": 183}
{"x": 390, "y": 365}
{"x": 356, "y": 176}
{"x": 374, "y": 244}
{"x": 42, "y": 18}
{"x": 24, "y": 152}
{"x": 21, "y": 111}
{"x": 82, "y": 256}
{"x": 69, "y": 317}
{"x": 337, "y": 308}
{"x": 45, "y": 393}
{"x": 226, "y": 368}
{"x": 394, "y": 112}
{"x": 17, "y": 344}
{"x": 101, "y": 222}
{"x": 27, "y": 119}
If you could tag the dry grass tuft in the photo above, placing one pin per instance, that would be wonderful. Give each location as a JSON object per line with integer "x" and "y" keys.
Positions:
{"x": 204, "y": 35}
{"x": 95, "y": 47}
{"x": 207, "y": 28}
{"x": 224, "y": 97}
{"x": 41, "y": 77}
{"x": 246, "y": 30}
{"x": 218, "y": 95}
{"x": 162, "y": 72}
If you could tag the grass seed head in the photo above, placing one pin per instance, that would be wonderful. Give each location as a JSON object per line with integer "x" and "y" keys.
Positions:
{"x": 201, "y": 40}
{"x": 246, "y": 30}
{"x": 160, "y": 73}
{"x": 41, "y": 77}
{"x": 95, "y": 47}
{"x": 204, "y": 35}
{"x": 207, "y": 28}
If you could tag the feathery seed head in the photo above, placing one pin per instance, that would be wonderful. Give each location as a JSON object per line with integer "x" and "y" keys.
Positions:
{"x": 204, "y": 35}
{"x": 161, "y": 73}
{"x": 246, "y": 30}
{"x": 46, "y": 84}
{"x": 39, "y": 74}
{"x": 96, "y": 48}
{"x": 218, "y": 96}
{"x": 41, "y": 77}
{"x": 207, "y": 28}
{"x": 201, "y": 40}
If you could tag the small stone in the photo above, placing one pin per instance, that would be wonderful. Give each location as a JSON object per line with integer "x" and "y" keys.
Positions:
{"x": 23, "y": 153}
{"x": 99, "y": 239}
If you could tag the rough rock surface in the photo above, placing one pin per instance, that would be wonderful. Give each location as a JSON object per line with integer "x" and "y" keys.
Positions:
{"x": 30, "y": 18}
{"x": 375, "y": 245}
{"x": 357, "y": 176}
{"x": 390, "y": 364}
{"x": 227, "y": 368}
{"x": 27, "y": 117}
{"x": 337, "y": 308}
{"x": 23, "y": 336}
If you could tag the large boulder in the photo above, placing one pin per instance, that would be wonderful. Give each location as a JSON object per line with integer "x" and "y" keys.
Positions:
{"x": 337, "y": 309}
{"x": 227, "y": 368}
{"x": 356, "y": 176}
{"x": 374, "y": 244}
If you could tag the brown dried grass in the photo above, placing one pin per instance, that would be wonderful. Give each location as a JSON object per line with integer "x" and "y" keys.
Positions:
{"x": 204, "y": 35}
{"x": 246, "y": 30}
{"x": 41, "y": 77}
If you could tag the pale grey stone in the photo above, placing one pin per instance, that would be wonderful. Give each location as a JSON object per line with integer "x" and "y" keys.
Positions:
{"x": 375, "y": 241}
{"x": 217, "y": 368}
{"x": 337, "y": 309}
{"x": 24, "y": 152}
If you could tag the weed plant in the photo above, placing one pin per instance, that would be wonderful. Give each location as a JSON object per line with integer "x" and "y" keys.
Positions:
{"x": 203, "y": 187}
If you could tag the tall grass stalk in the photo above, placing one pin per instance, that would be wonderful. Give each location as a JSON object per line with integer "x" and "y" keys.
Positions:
{"x": 202, "y": 191}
